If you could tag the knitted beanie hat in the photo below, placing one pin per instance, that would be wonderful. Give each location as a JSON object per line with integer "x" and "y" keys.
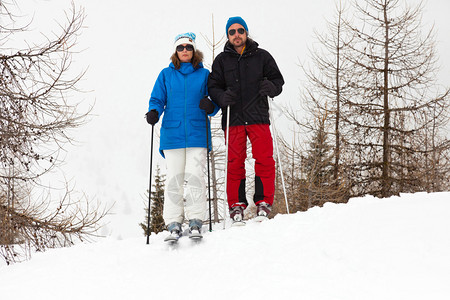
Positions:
{"x": 185, "y": 38}
{"x": 234, "y": 20}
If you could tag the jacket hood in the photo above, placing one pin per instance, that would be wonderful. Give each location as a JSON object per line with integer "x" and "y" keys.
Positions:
{"x": 186, "y": 68}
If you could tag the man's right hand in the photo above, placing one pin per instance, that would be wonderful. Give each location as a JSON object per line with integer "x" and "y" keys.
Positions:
{"x": 268, "y": 88}
{"x": 228, "y": 98}
{"x": 152, "y": 117}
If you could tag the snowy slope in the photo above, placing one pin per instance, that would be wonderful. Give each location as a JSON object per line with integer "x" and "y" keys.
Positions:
{"x": 397, "y": 248}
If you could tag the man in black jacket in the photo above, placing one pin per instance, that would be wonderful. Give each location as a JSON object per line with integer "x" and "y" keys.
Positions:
{"x": 243, "y": 77}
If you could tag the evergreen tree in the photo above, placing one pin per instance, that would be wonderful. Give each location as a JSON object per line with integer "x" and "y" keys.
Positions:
{"x": 309, "y": 173}
{"x": 318, "y": 161}
{"x": 157, "y": 205}
{"x": 320, "y": 185}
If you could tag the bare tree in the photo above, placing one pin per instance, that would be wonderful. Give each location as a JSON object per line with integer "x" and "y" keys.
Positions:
{"x": 314, "y": 172}
{"x": 394, "y": 77}
{"x": 374, "y": 80}
{"x": 36, "y": 117}
{"x": 327, "y": 80}
{"x": 217, "y": 155}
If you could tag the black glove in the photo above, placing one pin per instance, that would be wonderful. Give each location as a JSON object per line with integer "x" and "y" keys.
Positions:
{"x": 267, "y": 88}
{"x": 152, "y": 117}
{"x": 206, "y": 105}
{"x": 228, "y": 98}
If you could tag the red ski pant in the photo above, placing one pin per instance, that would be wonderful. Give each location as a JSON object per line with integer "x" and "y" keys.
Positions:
{"x": 262, "y": 151}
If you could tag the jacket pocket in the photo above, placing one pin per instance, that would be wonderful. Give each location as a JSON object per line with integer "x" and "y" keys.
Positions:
{"x": 171, "y": 124}
{"x": 198, "y": 123}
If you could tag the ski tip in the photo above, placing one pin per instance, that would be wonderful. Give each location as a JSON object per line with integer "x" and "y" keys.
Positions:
{"x": 238, "y": 223}
{"x": 170, "y": 241}
{"x": 172, "y": 238}
{"x": 261, "y": 218}
{"x": 196, "y": 237}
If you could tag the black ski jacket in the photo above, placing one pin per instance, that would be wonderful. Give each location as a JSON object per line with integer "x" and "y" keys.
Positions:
{"x": 243, "y": 74}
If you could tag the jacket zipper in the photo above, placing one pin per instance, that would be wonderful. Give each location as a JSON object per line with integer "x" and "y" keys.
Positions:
{"x": 185, "y": 111}
{"x": 241, "y": 112}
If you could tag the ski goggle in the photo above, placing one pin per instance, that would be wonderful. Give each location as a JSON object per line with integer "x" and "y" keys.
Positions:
{"x": 232, "y": 32}
{"x": 188, "y": 47}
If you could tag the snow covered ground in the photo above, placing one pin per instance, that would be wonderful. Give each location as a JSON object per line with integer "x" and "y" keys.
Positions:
{"x": 396, "y": 248}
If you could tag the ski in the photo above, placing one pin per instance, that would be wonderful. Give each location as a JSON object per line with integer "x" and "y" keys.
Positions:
{"x": 172, "y": 238}
{"x": 238, "y": 223}
{"x": 260, "y": 218}
{"x": 195, "y": 235}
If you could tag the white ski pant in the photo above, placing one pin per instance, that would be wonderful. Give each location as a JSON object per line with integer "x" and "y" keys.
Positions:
{"x": 185, "y": 190}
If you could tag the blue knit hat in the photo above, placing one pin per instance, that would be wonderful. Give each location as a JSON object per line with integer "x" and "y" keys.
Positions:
{"x": 185, "y": 38}
{"x": 234, "y": 20}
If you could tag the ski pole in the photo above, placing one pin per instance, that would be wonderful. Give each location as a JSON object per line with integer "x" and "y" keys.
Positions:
{"x": 207, "y": 159}
{"x": 150, "y": 188}
{"x": 279, "y": 159}
{"x": 226, "y": 165}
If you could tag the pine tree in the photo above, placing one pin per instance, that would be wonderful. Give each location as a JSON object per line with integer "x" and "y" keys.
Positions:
{"x": 318, "y": 165}
{"x": 309, "y": 173}
{"x": 157, "y": 205}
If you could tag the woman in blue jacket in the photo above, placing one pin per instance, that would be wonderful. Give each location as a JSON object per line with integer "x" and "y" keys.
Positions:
{"x": 180, "y": 93}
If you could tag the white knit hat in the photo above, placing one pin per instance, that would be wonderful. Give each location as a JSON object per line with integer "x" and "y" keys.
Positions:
{"x": 185, "y": 38}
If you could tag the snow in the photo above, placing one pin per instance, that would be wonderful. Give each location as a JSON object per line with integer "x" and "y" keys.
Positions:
{"x": 369, "y": 248}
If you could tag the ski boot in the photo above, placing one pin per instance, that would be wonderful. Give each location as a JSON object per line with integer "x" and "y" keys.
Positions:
{"x": 175, "y": 232}
{"x": 195, "y": 229}
{"x": 263, "y": 209}
{"x": 237, "y": 216}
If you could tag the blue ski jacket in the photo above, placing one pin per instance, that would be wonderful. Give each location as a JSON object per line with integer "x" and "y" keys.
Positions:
{"x": 177, "y": 94}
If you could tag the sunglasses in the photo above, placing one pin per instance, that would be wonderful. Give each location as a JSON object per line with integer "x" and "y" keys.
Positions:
{"x": 232, "y": 32}
{"x": 188, "y": 47}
